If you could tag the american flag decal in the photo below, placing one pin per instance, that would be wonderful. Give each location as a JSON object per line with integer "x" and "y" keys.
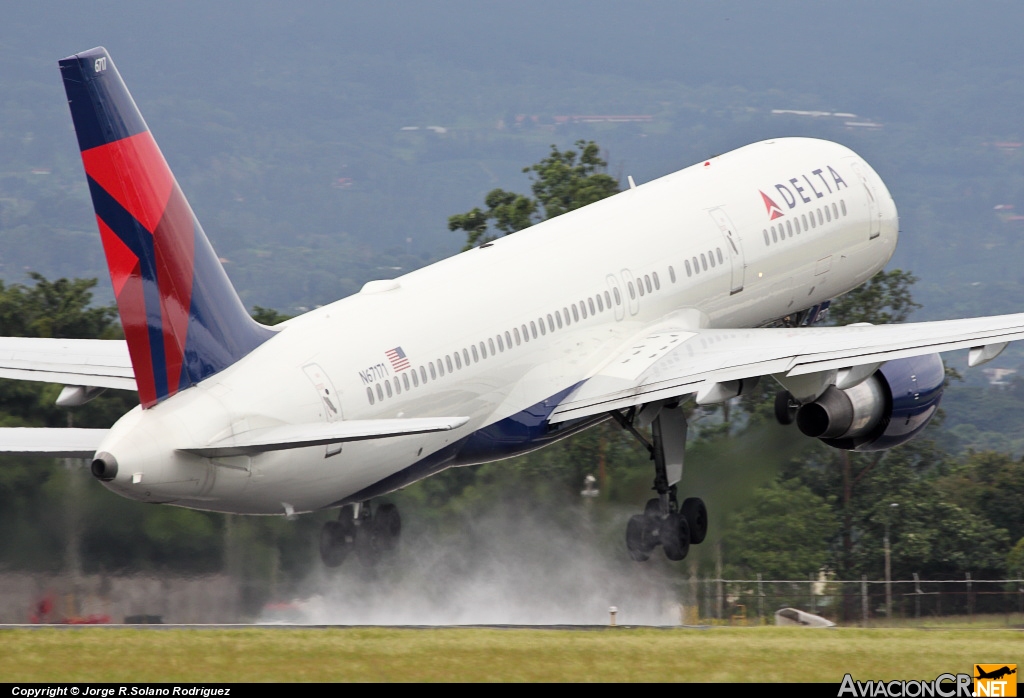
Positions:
{"x": 398, "y": 360}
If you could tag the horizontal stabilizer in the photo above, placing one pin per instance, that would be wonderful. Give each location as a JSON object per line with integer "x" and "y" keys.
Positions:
{"x": 322, "y": 433}
{"x": 53, "y": 442}
{"x": 96, "y": 363}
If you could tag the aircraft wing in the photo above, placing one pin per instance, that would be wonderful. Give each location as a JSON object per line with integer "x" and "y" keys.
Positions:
{"x": 322, "y": 433}
{"x": 669, "y": 363}
{"x": 99, "y": 363}
{"x": 54, "y": 442}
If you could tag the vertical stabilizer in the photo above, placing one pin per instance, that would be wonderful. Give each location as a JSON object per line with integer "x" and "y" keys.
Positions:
{"x": 182, "y": 318}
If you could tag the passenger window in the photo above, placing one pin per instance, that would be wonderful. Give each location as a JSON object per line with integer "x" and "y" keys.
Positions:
{"x": 647, "y": 282}
{"x": 803, "y": 217}
{"x": 828, "y": 214}
{"x": 415, "y": 378}
{"x": 515, "y": 331}
{"x": 813, "y": 222}
{"x": 533, "y": 329}
{"x": 766, "y": 240}
{"x": 398, "y": 384}
{"x": 640, "y": 286}
{"x": 448, "y": 360}
{"x": 483, "y": 350}
{"x": 590, "y": 303}
{"x": 789, "y": 228}
{"x": 718, "y": 251}
{"x": 671, "y": 274}
{"x": 835, "y": 210}
{"x": 632, "y": 291}
{"x": 508, "y": 339}
{"x": 820, "y": 222}
{"x": 696, "y": 266}
{"x": 433, "y": 372}
{"x": 558, "y": 320}
{"x": 687, "y": 262}
{"x": 476, "y": 356}
{"x": 842, "y": 204}
{"x": 711, "y": 255}
{"x": 501, "y": 344}
{"x": 608, "y": 298}
{"x": 380, "y": 393}
{"x": 458, "y": 361}
{"x": 465, "y": 357}
{"x": 423, "y": 375}
{"x": 387, "y": 387}
{"x": 774, "y": 237}
{"x": 575, "y": 314}
{"x": 657, "y": 284}
{"x": 703, "y": 262}
{"x": 565, "y": 314}
{"x": 540, "y": 324}
{"x": 600, "y": 303}
{"x": 369, "y": 394}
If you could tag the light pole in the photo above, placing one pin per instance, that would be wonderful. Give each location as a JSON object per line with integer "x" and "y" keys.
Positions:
{"x": 888, "y": 566}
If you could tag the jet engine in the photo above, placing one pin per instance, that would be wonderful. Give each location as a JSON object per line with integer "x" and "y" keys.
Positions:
{"x": 888, "y": 408}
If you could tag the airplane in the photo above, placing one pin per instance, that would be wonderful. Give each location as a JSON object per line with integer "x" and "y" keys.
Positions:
{"x": 692, "y": 286}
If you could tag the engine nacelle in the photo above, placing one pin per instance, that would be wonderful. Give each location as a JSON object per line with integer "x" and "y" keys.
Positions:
{"x": 887, "y": 409}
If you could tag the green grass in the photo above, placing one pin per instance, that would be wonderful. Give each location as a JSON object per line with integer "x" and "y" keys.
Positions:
{"x": 470, "y": 654}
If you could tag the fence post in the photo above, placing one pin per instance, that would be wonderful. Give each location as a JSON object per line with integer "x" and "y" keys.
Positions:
{"x": 760, "y": 599}
{"x": 970, "y": 600}
{"x": 864, "y": 599}
{"x": 917, "y": 596}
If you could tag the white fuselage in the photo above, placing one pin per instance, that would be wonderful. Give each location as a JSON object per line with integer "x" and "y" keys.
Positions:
{"x": 796, "y": 222}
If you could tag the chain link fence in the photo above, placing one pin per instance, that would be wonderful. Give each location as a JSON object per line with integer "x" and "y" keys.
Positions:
{"x": 859, "y": 602}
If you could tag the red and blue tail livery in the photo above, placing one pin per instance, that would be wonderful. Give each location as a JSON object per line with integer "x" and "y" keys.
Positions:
{"x": 182, "y": 318}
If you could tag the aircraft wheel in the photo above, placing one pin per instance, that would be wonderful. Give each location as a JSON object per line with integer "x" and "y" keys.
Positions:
{"x": 635, "y": 539}
{"x": 336, "y": 540}
{"x": 696, "y": 515}
{"x": 675, "y": 536}
{"x": 785, "y": 408}
{"x": 652, "y": 509}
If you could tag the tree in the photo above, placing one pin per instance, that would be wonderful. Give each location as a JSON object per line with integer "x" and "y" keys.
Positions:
{"x": 885, "y": 298}
{"x": 783, "y": 534}
{"x": 562, "y": 182}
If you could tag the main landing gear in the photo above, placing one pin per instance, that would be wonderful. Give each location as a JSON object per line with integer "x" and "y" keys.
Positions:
{"x": 371, "y": 534}
{"x": 664, "y": 522}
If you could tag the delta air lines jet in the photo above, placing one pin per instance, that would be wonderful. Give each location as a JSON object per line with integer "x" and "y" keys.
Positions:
{"x": 694, "y": 286}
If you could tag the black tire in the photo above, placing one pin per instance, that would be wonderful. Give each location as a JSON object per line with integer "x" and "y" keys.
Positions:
{"x": 635, "y": 539}
{"x": 335, "y": 543}
{"x": 785, "y": 408}
{"x": 696, "y": 515}
{"x": 653, "y": 508}
{"x": 675, "y": 536}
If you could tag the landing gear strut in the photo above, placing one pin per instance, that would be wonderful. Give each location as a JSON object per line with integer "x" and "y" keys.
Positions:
{"x": 371, "y": 534}
{"x": 664, "y": 522}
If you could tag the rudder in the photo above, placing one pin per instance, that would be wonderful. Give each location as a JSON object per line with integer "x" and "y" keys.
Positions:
{"x": 182, "y": 318}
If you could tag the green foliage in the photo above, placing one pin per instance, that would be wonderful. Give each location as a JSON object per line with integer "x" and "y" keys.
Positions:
{"x": 885, "y": 298}
{"x": 785, "y": 533}
{"x": 563, "y": 181}
{"x": 990, "y": 484}
{"x": 1015, "y": 560}
{"x": 268, "y": 316}
{"x": 60, "y": 308}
